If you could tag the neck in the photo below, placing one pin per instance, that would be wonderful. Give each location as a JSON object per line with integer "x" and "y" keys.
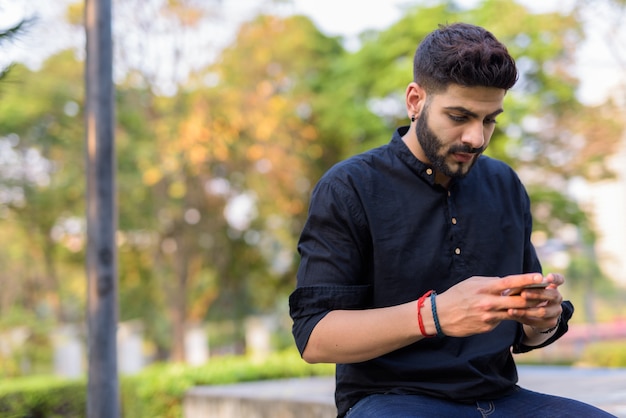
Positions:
{"x": 410, "y": 139}
{"x": 442, "y": 180}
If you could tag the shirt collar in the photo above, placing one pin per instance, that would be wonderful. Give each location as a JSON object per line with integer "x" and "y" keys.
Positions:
{"x": 424, "y": 171}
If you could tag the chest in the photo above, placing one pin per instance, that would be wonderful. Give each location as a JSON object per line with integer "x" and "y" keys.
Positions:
{"x": 425, "y": 237}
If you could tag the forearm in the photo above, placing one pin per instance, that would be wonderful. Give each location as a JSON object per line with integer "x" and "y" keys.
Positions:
{"x": 346, "y": 336}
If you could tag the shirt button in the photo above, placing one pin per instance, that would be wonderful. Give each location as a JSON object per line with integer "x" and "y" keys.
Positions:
{"x": 429, "y": 171}
{"x": 457, "y": 251}
{"x": 453, "y": 221}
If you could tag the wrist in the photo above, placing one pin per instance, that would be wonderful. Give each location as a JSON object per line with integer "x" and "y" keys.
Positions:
{"x": 550, "y": 330}
{"x": 425, "y": 319}
{"x": 433, "y": 307}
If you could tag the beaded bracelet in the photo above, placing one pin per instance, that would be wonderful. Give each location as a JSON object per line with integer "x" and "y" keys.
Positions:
{"x": 433, "y": 305}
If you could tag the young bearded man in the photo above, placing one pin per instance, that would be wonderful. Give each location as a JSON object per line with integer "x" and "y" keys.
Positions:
{"x": 416, "y": 256}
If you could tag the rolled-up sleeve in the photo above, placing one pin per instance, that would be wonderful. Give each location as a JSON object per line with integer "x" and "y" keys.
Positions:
{"x": 334, "y": 248}
{"x": 308, "y": 305}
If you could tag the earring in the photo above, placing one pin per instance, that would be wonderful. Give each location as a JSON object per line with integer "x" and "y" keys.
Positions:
{"x": 413, "y": 118}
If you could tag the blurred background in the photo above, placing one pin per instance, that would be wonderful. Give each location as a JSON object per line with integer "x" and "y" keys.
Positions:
{"x": 228, "y": 112}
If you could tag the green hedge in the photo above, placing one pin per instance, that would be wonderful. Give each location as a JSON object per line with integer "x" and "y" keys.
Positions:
{"x": 42, "y": 397}
{"x": 156, "y": 392}
{"x": 605, "y": 354}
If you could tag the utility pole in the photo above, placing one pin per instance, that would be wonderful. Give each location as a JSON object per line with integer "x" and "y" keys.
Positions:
{"x": 101, "y": 263}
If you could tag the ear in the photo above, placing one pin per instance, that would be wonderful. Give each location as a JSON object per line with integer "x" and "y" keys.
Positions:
{"x": 415, "y": 99}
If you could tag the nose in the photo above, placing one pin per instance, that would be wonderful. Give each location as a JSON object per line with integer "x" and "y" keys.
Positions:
{"x": 474, "y": 135}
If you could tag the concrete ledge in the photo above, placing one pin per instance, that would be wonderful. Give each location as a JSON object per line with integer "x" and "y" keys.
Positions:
{"x": 314, "y": 397}
{"x": 289, "y": 398}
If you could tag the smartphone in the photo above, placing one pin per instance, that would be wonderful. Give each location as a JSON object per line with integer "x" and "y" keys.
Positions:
{"x": 516, "y": 291}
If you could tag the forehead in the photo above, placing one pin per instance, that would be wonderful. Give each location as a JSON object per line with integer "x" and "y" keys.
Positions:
{"x": 478, "y": 99}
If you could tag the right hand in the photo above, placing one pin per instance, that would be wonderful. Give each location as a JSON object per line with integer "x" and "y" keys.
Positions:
{"x": 476, "y": 305}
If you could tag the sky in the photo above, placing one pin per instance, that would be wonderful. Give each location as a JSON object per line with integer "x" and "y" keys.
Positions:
{"x": 597, "y": 67}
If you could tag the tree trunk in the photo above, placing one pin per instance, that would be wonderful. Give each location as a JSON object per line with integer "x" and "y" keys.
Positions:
{"x": 179, "y": 302}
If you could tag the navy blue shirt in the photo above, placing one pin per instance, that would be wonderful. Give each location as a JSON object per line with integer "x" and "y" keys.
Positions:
{"x": 380, "y": 233}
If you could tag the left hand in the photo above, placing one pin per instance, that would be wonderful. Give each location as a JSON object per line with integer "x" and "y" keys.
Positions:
{"x": 543, "y": 306}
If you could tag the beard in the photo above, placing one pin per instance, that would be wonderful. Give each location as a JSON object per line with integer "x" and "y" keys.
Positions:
{"x": 434, "y": 150}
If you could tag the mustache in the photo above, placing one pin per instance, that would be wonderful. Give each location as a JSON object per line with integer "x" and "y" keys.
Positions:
{"x": 466, "y": 149}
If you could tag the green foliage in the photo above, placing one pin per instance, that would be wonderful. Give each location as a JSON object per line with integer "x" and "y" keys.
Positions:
{"x": 42, "y": 397}
{"x": 26, "y": 347}
{"x": 157, "y": 391}
{"x": 605, "y": 354}
{"x": 39, "y": 113}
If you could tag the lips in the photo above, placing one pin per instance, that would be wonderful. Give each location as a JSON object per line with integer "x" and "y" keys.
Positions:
{"x": 463, "y": 157}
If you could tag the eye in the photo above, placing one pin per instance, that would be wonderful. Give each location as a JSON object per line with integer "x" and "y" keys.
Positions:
{"x": 490, "y": 121}
{"x": 457, "y": 118}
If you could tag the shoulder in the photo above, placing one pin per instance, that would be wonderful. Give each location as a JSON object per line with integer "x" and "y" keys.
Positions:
{"x": 494, "y": 166}
{"x": 490, "y": 169}
{"x": 496, "y": 179}
{"x": 356, "y": 170}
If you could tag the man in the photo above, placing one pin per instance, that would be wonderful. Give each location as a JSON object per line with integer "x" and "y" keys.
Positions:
{"x": 416, "y": 256}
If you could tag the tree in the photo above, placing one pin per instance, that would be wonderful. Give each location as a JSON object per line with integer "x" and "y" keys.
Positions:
{"x": 225, "y": 170}
{"x": 40, "y": 169}
{"x": 239, "y": 144}
{"x": 8, "y": 35}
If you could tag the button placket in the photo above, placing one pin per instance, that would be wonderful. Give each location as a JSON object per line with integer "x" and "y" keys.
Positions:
{"x": 454, "y": 221}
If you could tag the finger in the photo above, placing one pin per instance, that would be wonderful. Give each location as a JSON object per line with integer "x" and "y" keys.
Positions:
{"x": 555, "y": 280}
{"x": 529, "y": 320}
{"x": 537, "y": 313}
{"x": 519, "y": 280}
{"x": 511, "y": 303}
{"x": 526, "y": 305}
{"x": 547, "y": 294}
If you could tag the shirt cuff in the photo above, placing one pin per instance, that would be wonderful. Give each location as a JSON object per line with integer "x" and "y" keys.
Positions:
{"x": 566, "y": 315}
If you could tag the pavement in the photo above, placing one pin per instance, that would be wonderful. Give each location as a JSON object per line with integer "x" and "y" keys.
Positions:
{"x": 604, "y": 388}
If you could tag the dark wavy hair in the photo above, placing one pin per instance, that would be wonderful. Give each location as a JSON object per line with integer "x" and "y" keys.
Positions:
{"x": 462, "y": 54}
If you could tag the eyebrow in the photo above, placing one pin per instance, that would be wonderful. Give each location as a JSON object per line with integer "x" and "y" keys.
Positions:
{"x": 468, "y": 112}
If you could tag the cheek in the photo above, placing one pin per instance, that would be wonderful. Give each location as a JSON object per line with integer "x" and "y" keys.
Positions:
{"x": 449, "y": 135}
{"x": 488, "y": 132}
